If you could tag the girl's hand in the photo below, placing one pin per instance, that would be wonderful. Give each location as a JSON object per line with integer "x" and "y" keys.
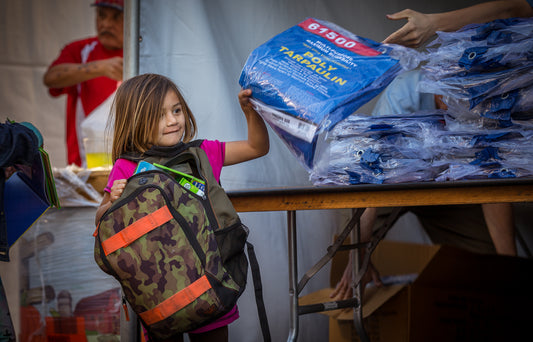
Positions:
{"x": 117, "y": 189}
{"x": 257, "y": 144}
{"x": 244, "y": 99}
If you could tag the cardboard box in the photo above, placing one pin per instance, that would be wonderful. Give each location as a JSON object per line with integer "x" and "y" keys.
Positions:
{"x": 455, "y": 296}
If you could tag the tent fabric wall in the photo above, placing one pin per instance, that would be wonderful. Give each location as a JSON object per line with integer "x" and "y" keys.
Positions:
{"x": 32, "y": 33}
{"x": 202, "y": 46}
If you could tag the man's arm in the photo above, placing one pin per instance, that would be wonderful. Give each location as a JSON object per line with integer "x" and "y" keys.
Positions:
{"x": 69, "y": 74}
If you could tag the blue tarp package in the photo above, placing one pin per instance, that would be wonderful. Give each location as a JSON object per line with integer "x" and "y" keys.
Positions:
{"x": 380, "y": 149}
{"x": 471, "y": 150}
{"x": 483, "y": 69}
{"x": 479, "y": 86}
{"x": 419, "y": 147}
{"x": 485, "y": 73}
{"x": 500, "y": 31}
{"x": 503, "y": 108}
{"x": 310, "y": 77}
{"x": 503, "y": 153}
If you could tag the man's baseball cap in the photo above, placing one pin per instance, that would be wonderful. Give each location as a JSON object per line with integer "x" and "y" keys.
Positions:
{"x": 116, "y": 4}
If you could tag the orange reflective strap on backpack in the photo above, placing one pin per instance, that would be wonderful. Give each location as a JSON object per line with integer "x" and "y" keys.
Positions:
{"x": 136, "y": 230}
{"x": 177, "y": 302}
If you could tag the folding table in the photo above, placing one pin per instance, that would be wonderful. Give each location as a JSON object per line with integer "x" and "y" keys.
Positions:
{"x": 291, "y": 199}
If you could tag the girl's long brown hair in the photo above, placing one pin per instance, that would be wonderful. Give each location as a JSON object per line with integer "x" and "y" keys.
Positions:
{"x": 138, "y": 107}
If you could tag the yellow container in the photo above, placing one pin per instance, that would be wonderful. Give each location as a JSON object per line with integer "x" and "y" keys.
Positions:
{"x": 96, "y": 154}
{"x": 98, "y": 159}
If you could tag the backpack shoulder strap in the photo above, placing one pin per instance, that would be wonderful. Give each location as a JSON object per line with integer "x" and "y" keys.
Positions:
{"x": 258, "y": 289}
{"x": 171, "y": 151}
{"x": 162, "y": 151}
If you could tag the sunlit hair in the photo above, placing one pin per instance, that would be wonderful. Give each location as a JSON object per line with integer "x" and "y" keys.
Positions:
{"x": 138, "y": 108}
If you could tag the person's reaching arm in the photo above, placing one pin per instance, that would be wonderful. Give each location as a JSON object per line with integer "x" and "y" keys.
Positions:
{"x": 420, "y": 26}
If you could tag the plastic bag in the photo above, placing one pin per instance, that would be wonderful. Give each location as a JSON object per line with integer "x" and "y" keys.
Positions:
{"x": 483, "y": 68}
{"x": 477, "y": 87}
{"x": 473, "y": 153}
{"x": 471, "y": 56}
{"x": 503, "y": 108}
{"x": 500, "y": 31}
{"x": 95, "y": 146}
{"x": 313, "y": 75}
{"x": 423, "y": 146}
{"x": 384, "y": 149}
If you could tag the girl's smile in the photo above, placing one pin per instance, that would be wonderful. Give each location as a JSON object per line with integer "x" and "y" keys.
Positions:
{"x": 172, "y": 122}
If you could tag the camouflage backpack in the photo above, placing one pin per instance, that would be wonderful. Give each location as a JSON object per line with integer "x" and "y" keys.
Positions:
{"x": 178, "y": 255}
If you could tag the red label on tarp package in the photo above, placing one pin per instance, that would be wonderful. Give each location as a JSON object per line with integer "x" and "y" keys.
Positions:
{"x": 336, "y": 38}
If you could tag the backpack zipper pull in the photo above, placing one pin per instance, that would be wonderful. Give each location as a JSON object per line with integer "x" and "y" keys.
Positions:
{"x": 125, "y": 307}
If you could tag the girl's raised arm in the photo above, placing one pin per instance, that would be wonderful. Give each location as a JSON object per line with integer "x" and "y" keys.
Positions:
{"x": 257, "y": 144}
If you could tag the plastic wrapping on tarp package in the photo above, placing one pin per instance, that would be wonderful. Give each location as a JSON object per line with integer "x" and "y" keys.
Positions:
{"x": 515, "y": 136}
{"x": 384, "y": 149}
{"x": 477, "y": 87}
{"x": 486, "y": 70}
{"x": 477, "y": 56}
{"x": 484, "y": 153}
{"x": 420, "y": 147}
{"x": 313, "y": 75}
{"x": 374, "y": 165}
{"x": 457, "y": 121}
{"x": 500, "y": 107}
{"x": 500, "y": 31}
{"x": 485, "y": 162}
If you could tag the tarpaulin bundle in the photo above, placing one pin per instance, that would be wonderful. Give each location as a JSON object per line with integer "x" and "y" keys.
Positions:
{"x": 419, "y": 147}
{"x": 501, "y": 153}
{"x": 503, "y": 108}
{"x": 310, "y": 77}
{"x": 499, "y": 31}
{"x": 385, "y": 149}
{"x": 483, "y": 69}
{"x": 307, "y": 84}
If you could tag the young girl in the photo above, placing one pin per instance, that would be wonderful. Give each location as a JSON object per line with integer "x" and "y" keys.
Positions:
{"x": 150, "y": 111}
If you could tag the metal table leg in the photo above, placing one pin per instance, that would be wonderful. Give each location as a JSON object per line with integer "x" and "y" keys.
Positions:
{"x": 358, "y": 289}
{"x": 293, "y": 275}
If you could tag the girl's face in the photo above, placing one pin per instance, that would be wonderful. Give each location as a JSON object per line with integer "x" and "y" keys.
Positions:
{"x": 172, "y": 122}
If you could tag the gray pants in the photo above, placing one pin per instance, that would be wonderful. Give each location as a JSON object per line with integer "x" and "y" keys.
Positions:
{"x": 462, "y": 226}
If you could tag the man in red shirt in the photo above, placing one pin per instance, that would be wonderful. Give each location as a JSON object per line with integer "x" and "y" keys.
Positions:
{"x": 88, "y": 71}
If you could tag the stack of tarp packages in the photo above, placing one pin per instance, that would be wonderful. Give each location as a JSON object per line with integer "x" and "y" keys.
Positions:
{"x": 477, "y": 154}
{"x": 308, "y": 80}
{"x": 315, "y": 74}
{"x": 376, "y": 150}
{"x": 485, "y": 74}
{"x": 420, "y": 147}
{"x": 484, "y": 71}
